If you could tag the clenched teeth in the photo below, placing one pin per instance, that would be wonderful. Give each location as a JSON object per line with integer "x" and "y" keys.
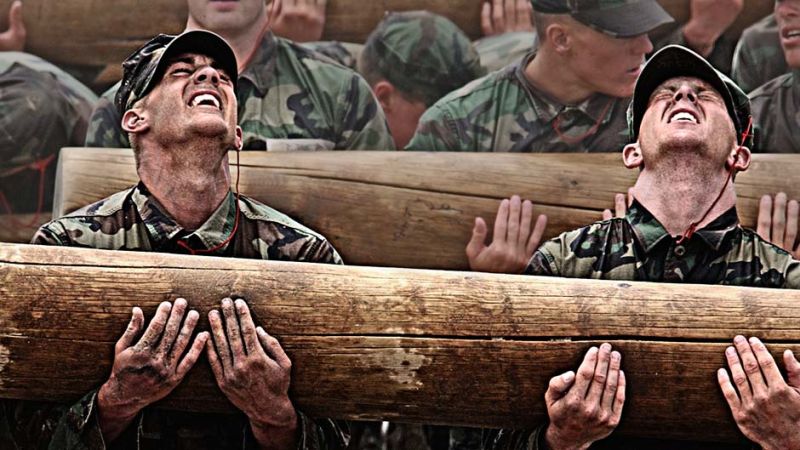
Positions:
{"x": 206, "y": 99}
{"x": 683, "y": 116}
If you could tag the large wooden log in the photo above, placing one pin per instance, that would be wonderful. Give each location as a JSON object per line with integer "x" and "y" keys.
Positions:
{"x": 99, "y": 32}
{"x": 414, "y": 209}
{"x": 410, "y": 345}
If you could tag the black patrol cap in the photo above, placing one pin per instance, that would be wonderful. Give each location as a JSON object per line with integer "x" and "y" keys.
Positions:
{"x": 678, "y": 61}
{"x": 145, "y": 67}
{"x": 617, "y": 18}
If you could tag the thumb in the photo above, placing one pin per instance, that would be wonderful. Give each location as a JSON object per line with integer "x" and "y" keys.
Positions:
{"x": 792, "y": 368}
{"x": 558, "y": 387}
{"x": 477, "y": 243}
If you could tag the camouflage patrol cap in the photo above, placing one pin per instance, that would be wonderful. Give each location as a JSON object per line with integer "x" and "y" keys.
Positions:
{"x": 617, "y": 18}
{"x": 678, "y": 61}
{"x": 422, "y": 54}
{"x": 145, "y": 67}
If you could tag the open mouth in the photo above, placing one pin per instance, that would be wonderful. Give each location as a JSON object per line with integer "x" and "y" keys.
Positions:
{"x": 206, "y": 99}
{"x": 790, "y": 34}
{"x": 683, "y": 116}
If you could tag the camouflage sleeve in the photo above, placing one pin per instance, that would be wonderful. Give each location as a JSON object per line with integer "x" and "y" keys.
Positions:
{"x": 363, "y": 124}
{"x": 321, "y": 251}
{"x": 79, "y": 428}
{"x": 507, "y": 439}
{"x": 437, "y": 131}
{"x": 105, "y": 125}
{"x": 792, "y": 275}
{"x": 544, "y": 262}
{"x": 52, "y": 233}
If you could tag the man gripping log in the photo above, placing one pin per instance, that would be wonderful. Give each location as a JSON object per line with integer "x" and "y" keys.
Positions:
{"x": 179, "y": 108}
{"x": 691, "y": 128}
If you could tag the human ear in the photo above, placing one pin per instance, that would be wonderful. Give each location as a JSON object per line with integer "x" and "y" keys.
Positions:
{"x": 632, "y": 156}
{"x": 239, "y": 139}
{"x": 384, "y": 92}
{"x": 558, "y": 34}
{"x": 740, "y": 159}
{"x": 135, "y": 121}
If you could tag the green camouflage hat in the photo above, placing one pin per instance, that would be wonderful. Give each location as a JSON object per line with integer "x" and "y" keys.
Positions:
{"x": 618, "y": 18}
{"x": 144, "y": 68}
{"x": 678, "y": 61}
{"x": 422, "y": 54}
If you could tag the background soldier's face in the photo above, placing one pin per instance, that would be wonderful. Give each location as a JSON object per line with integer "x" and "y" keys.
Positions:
{"x": 686, "y": 117}
{"x": 606, "y": 64}
{"x": 228, "y": 16}
{"x": 787, "y": 14}
{"x": 194, "y": 98}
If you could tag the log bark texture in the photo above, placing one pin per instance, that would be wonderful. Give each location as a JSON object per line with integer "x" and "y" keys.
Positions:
{"x": 371, "y": 343}
{"x": 100, "y": 32}
{"x": 414, "y": 209}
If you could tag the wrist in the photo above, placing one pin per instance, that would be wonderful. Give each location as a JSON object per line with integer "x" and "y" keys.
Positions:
{"x": 110, "y": 406}
{"x": 555, "y": 441}
{"x": 282, "y": 417}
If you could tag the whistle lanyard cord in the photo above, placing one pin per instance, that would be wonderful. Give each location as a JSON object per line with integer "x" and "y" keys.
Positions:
{"x": 693, "y": 226}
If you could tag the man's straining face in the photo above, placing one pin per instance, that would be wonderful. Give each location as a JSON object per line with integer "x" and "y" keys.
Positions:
{"x": 227, "y": 16}
{"x": 194, "y": 98}
{"x": 686, "y": 117}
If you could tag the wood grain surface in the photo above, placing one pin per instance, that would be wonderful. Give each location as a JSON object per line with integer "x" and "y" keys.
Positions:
{"x": 412, "y": 345}
{"x": 416, "y": 209}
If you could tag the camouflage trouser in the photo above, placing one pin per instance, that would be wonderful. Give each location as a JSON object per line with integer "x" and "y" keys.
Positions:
{"x": 36, "y": 120}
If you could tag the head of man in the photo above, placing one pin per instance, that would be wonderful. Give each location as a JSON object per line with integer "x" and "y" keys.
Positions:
{"x": 787, "y": 14}
{"x": 411, "y": 60}
{"x": 602, "y": 43}
{"x": 685, "y": 114}
{"x": 178, "y": 92}
{"x": 227, "y": 17}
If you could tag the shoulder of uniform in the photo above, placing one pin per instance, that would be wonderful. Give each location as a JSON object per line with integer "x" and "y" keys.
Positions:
{"x": 104, "y": 208}
{"x": 763, "y": 245}
{"x": 310, "y": 58}
{"x": 259, "y": 212}
{"x": 773, "y": 86}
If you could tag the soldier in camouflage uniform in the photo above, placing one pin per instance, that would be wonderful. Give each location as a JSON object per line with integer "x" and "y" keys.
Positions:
{"x": 758, "y": 57}
{"x": 776, "y": 104}
{"x": 42, "y": 109}
{"x": 290, "y": 98}
{"x": 568, "y": 96}
{"x": 410, "y": 61}
{"x": 178, "y": 105}
{"x": 691, "y": 126}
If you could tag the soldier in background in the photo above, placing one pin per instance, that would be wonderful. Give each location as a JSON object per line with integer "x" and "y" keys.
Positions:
{"x": 178, "y": 104}
{"x": 776, "y": 104}
{"x": 410, "y": 61}
{"x": 289, "y": 97}
{"x": 42, "y": 109}
{"x": 759, "y": 56}
{"x": 570, "y": 95}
